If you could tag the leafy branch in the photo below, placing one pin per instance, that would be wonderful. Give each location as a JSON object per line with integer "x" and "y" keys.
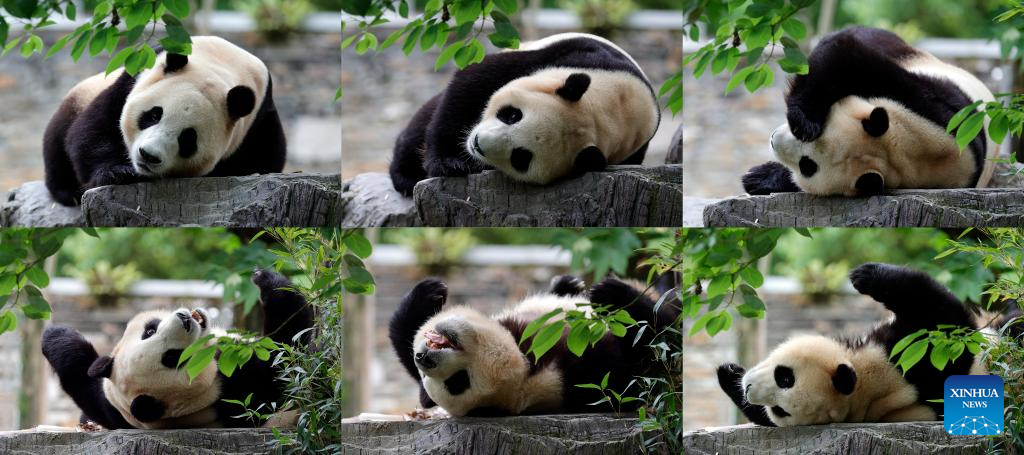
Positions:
{"x": 22, "y": 255}
{"x": 128, "y": 25}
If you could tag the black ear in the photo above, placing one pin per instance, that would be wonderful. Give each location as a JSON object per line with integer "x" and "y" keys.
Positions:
{"x": 588, "y": 160}
{"x": 575, "y": 86}
{"x": 175, "y": 62}
{"x": 877, "y": 123}
{"x": 870, "y": 184}
{"x": 845, "y": 379}
{"x": 101, "y": 367}
{"x": 241, "y": 102}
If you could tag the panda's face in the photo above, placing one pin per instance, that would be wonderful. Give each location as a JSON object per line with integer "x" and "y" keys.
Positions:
{"x": 867, "y": 146}
{"x": 143, "y": 367}
{"x": 536, "y": 128}
{"x": 466, "y": 358}
{"x": 180, "y": 122}
{"x": 807, "y": 380}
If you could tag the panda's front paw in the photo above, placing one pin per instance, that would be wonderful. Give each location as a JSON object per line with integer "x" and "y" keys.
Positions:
{"x": 730, "y": 379}
{"x": 768, "y": 178}
{"x": 431, "y": 292}
{"x": 803, "y": 128}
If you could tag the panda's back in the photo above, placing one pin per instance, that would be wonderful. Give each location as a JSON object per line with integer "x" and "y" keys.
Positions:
{"x": 576, "y": 50}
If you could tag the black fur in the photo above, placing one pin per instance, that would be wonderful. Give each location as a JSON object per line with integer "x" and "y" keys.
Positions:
{"x": 917, "y": 302}
{"x": 457, "y": 383}
{"x": 433, "y": 143}
{"x": 866, "y": 62}
{"x": 81, "y": 370}
{"x": 85, "y": 150}
{"x": 588, "y": 160}
{"x": 623, "y": 358}
{"x": 768, "y": 178}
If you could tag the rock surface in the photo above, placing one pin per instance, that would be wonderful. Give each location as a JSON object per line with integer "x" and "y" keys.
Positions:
{"x": 309, "y": 200}
{"x": 621, "y": 196}
{"x": 533, "y": 435}
{"x": 956, "y": 208}
{"x": 369, "y": 200}
{"x": 140, "y": 442}
{"x": 675, "y": 150}
{"x": 31, "y": 205}
{"x": 860, "y": 439}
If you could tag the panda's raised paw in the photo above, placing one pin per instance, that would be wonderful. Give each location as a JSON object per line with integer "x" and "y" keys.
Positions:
{"x": 867, "y": 278}
{"x": 567, "y": 285}
{"x": 431, "y": 290}
{"x": 802, "y": 127}
{"x": 729, "y": 375}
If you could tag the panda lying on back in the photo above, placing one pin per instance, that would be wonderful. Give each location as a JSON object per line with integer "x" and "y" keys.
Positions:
{"x": 871, "y": 115}
{"x": 566, "y": 104}
{"x": 472, "y": 364}
{"x": 139, "y": 384}
{"x": 813, "y": 379}
{"x": 210, "y": 113}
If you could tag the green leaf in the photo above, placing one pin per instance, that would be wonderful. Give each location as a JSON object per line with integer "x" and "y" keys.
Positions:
{"x": 179, "y": 8}
{"x": 604, "y": 380}
{"x": 546, "y": 339}
{"x": 227, "y": 362}
{"x": 970, "y": 129}
{"x": 447, "y": 54}
{"x": 998, "y": 127}
{"x": 358, "y": 244}
{"x": 959, "y": 117}
{"x": 199, "y": 361}
{"x": 738, "y": 78}
{"x": 192, "y": 348}
{"x": 507, "y": 6}
{"x": 8, "y": 322}
{"x": 579, "y": 338}
{"x": 719, "y": 285}
{"x": 939, "y": 357}
{"x": 119, "y": 59}
{"x": 36, "y": 307}
{"x": 752, "y": 276}
{"x": 7, "y": 284}
{"x": 38, "y": 277}
{"x": 913, "y": 354}
{"x": 536, "y": 324}
{"x": 902, "y": 344}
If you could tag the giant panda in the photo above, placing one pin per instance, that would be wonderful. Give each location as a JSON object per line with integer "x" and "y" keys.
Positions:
{"x": 139, "y": 384}
{"x": 871, "y": 115}
{"x": 566, "y": 104}
{"x": 471, "y": 364}
{"x": 210, "y": 113}
{"x": 814, "y": 379}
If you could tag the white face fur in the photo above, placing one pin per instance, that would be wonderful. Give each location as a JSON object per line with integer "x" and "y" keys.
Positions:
{"x": 870, "y": 145}
{"x": 805, "y": 381}
{"x": 145, "y": 363}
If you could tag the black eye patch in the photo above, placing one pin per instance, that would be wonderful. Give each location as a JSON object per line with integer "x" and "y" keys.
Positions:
{"x": 457, "y": 383}
{"x": 150, "y": 328}
{"x": 784, "y": 377}
{"x": 188, "y": 143}
{"x": 151, "y": 117}
{"x": 170, "y": 358}
{"x": 807, "y": 166}
{"x": 510, "y": 115}
{"x": 521, "y": 159}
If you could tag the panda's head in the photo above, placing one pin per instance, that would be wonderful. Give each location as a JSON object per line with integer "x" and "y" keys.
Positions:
{"x": 144, "y": 379}
{"x": 466, "y": 359}
{"x": 867, "y": 146}
{"x": 805, "y": 381}
{"x": 181, "y": 118}
{"x": 539, "y": 128}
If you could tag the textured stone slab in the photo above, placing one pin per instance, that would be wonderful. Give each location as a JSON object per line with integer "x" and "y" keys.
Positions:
{"x": 955, "y": 208}
{"x": 140, "y": 442}
{"x": 909, "y": 438}
{"x": 369, "y": 200}
{"x": 31, "y": 205}
{"x": 582, "y": 434}
{"x": 675, "y": 151}
{"x": 620, "y": 196}
{"x": 308, "y": 200}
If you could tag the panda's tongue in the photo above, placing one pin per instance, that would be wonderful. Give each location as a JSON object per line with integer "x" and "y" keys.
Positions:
{"x": 436, "y": 340}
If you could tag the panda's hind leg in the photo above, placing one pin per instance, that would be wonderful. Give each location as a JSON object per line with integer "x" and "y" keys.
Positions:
{"x": 917, "y": 300}
{"x": 567, "y": 286}
{"x": 285, "y": 312}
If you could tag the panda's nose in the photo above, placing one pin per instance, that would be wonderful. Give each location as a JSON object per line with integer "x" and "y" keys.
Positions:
{"x": 476, "y": 145}
{"x": 149, "y": 157}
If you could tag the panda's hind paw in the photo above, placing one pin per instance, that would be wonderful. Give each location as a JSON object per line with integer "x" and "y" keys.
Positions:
{"x": 431, "y": 291}
{"x": 567, "y": 285}
{"x": 768, "y": 178}
{"x": 865, "y": 278}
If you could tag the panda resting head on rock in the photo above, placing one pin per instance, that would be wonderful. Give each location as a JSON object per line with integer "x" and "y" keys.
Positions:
{"x": 871, "y": 115}
{"x": 815, "y": 379}
{"x": 140, "y": 385}
{"x": 210, "y": 113}
{"x": 564, "y": 105}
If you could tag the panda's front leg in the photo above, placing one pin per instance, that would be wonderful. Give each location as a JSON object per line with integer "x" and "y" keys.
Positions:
{"x": 72, "y": 356}
{"x": 116, "y": 174}
{"x": 420, "y": 304}
{"x": 768, "y": 178}
{"x": 730, "y": 379}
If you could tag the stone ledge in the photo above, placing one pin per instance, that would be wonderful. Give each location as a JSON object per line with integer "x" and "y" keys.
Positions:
{"x": 620, "y": 196}
{"x": 249, "y": 201}
{"x": 140, "y": 442}
{"x": 581, "y": 434}
{"x": 908, "y": 438}
{"x": 951, "y": 208}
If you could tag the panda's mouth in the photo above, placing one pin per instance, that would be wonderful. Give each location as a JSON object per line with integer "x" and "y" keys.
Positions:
{"x": 777, "y": 410}
{"x": 187, "y": 318}
{"x": 441, "y": 340}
